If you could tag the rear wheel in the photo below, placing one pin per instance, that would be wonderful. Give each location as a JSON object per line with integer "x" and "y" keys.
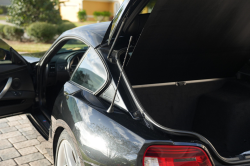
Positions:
{"x": 65, "y": 152}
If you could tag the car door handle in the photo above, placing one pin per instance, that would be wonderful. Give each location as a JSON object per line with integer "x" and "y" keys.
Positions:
{"x": 6, "y": 87}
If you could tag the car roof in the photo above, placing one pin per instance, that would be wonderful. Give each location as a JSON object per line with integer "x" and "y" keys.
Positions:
{"x": 92, "y": 34}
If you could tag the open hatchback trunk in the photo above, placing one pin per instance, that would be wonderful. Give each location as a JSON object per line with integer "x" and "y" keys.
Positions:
{"x": 217, "y": 109}
{"x": 185, "y": 70}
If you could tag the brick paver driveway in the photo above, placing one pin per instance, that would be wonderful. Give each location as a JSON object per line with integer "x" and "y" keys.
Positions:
{"x": 21, "y": 144}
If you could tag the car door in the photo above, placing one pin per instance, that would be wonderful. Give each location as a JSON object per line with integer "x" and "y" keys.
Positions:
{"x": 16, "y": 85}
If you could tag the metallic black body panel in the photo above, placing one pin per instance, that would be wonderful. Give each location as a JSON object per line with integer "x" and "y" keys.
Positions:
{"x": 102, "y": 138}
{"x": 93, "y": 33}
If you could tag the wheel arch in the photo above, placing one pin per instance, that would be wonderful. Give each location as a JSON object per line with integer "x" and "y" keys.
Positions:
{"x": 57, "y": 134}
{"x": 58, "y": 126}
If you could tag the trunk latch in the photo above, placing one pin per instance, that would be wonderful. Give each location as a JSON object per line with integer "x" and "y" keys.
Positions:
{"x": 182, "y": 83}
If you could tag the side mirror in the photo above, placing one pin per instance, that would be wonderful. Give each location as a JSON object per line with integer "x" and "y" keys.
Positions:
{"x": 4, "y": 55}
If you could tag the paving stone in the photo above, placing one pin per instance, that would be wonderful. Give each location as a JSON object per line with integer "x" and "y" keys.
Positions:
{"x": 24, "y": 121}
{"x": 10, "y": 135}
{"x": 23, "y": 126}
{"x": 8, "y": 129}
{"x": 25, "y": 144}
{"x": 5, "y": 144}
{"x": 42, "y": 162}
{"x": 3, "y": 120}
{"x": 3, "y": 125}
{"x": 26, "y": 129}
{"x": 29, "y": 132}
{"x": 40, "y": 138}
{"x": 17, "y": 139}
{"x": 49, "y": 150}
{"x": 32, "y": 136}
{"x": 29, "y": 158}
{"x": 48, "y": 157}
{"x": 27, "y": 150}
{"x": 13, "y": 123}
{"x": 13, "y": 118}
{"x": 10, "y": 162}
{"x": 42, "y": 147}
{"x": 9, "y": 153}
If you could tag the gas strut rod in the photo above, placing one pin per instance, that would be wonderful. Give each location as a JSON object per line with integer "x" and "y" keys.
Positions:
{"x": 113, "y": 45}
{"x": 111, "y": 108}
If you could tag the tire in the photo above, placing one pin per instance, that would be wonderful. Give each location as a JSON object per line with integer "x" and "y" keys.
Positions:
{"x": 66, "y": 153}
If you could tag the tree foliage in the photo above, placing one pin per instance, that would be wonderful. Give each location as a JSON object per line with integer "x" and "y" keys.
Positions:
{"x": 82, "y": 15}
{"x": 25, "y": 12}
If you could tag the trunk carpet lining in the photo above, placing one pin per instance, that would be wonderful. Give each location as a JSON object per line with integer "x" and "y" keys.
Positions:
{"x": 218, "y": 110}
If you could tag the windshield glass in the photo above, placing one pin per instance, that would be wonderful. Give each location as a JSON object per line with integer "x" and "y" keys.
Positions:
{"x": 73, "y": 45}
{"x": 117, "y": 18}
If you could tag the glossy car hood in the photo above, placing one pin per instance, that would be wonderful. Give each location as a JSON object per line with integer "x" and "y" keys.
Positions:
{"x": 190, "y": 40}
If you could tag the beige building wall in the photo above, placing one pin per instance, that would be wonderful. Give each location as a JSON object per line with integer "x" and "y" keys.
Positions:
{"x": 70, "y": 8}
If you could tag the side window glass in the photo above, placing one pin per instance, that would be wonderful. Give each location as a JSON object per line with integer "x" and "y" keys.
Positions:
{"x": 5, "y": 56}
{"x": 91, "y": 74}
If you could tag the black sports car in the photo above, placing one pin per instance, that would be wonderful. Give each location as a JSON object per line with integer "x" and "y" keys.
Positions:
{"x": 166, "y": 87}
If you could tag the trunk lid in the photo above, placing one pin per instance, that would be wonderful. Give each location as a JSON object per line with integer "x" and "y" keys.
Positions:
{"x": 190, "y": 40}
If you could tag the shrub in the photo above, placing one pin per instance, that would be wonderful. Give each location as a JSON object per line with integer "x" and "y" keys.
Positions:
{"x": 1, "y": 11}
{"x": 1, "y": 31}
{"x": 96, "y": 14}
{"x": 26, "y": 12}
{"x": 82, "y": 15}
{"x": 100, "y": 16}
{"x": 12, "y": 32}
{"x": 41, "y": 31}
{"x": 106, "y": 14}
{"x": 64, "y": 27}
{"x": 63, "y": 21}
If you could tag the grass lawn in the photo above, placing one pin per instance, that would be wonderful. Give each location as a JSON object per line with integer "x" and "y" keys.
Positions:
{"x": 28, "y": 46}
{"x": 3, "y": 17}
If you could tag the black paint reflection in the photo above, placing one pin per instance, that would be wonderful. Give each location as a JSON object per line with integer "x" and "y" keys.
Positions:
{"x": 102, "y": 140}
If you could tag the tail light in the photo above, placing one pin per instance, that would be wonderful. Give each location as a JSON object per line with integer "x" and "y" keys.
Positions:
{"x": 169, "y": 155}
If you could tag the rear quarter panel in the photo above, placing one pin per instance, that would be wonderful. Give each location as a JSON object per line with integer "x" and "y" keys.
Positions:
{"x": 100, "y": 138}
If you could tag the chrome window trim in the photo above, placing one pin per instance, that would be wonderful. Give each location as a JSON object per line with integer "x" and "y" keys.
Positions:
{"x": 84, "y": 88}
{"x": 107, "y": 71}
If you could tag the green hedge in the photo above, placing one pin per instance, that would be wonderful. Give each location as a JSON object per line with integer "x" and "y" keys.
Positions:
{"x": 41, "y": 31}
{"x": 1, "y": 31}
{"x": 100, "y": 16}
{"x": 12, "y": 32}
{"x": 64, "y": 27}
{"x": 82, "y": 15}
